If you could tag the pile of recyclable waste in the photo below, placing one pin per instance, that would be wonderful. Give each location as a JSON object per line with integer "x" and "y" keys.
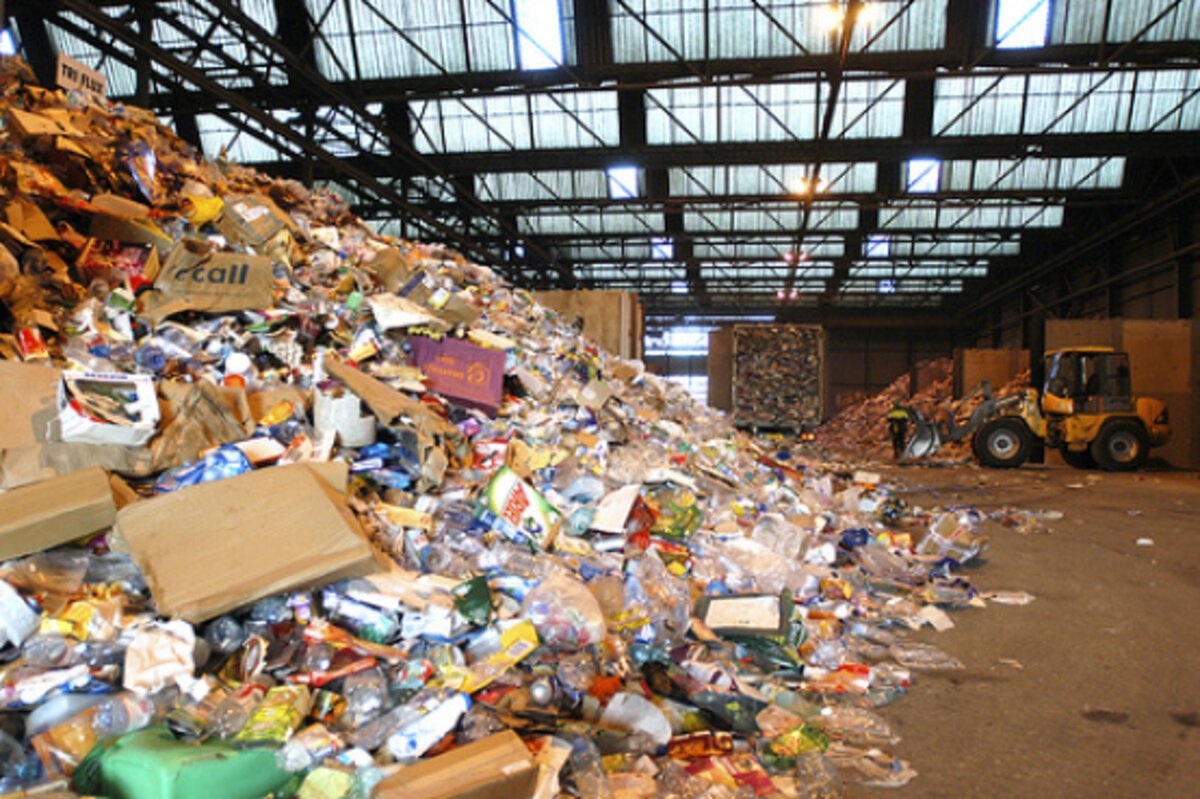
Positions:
{"x": 294, "y": 508}
{"x": 860, "y": 429}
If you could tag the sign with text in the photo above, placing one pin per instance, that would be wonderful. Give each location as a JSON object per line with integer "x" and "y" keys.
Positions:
{"x": 73, "y": 75}
{"x": 472, "y": 375}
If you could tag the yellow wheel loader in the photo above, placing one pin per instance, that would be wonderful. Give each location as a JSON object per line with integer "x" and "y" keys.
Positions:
{"x": 1086, "y": 410}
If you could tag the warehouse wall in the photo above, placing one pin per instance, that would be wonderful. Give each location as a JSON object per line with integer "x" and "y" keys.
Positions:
{"x": 1140, "y": 276}
{"x": 866, "y": 360}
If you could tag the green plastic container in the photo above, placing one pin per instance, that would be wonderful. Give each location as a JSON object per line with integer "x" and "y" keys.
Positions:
{"x": 152, "y": 764}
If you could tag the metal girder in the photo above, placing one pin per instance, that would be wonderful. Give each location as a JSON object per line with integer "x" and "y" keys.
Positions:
{"x": 902, "y": 65}
{"x": 1148, "y": 210}
{"x": 1155, "y": 145}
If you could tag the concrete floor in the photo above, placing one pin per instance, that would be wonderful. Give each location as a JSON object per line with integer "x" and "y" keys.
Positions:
{"x": 1106, "y": 701}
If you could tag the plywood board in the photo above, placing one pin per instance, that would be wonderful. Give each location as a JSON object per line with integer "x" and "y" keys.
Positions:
{"x": 997, "y": 366}
{"x": 720, "y": 368}
{"x": 1159, "y": 355}
{"x": 613, "y": 319}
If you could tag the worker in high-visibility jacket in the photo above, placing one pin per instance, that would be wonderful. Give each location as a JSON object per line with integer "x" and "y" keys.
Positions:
{"x": 897, "y": 419}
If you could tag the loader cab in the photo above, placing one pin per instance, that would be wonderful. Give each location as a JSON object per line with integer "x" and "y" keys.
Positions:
{"x": 1091, "y": 380}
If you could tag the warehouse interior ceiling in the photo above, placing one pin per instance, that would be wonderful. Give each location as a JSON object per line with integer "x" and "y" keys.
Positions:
{"x": 723, "y": 158}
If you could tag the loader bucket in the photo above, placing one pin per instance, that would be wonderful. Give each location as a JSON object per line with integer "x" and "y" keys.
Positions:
{"x": 924, "y": 442}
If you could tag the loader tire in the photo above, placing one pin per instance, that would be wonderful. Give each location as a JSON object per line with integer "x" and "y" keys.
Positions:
{"x": 1003, "y": 443}
{"x": 1122, "y": 446}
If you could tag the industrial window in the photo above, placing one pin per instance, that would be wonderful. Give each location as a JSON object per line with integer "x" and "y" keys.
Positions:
{"x": 622, "y": 182}
{"x": 924, "y": 175}
{"x": 878, "y": 246}
{"x": 539, "y": 34}
{"x": 1021, "y": 23}
{"x": 662, "y": 249}
{"x": 887, "y": 287}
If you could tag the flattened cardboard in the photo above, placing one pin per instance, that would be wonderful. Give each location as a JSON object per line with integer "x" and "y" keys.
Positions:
{"x": 53, "y": 512}
{"x": 496, "y": 767}
{"x": 251, "y": 219}
{"x": 210, "y": 548}
{"x": 384, "y": 401}
{"x": 27, "y": 124}
{"x": 119, "y": 227}
{"x": 29, "y": 397}
{"x": 24, "y": 214}
{"x": 463, "y": 371}
{"x": 391, "y": 267}
{"x": 222, "y": 281}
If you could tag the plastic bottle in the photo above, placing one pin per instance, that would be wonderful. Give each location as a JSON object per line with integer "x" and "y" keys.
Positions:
{"x": 231, "y": 715}
{"x": 17, "y": 619}
{"x": 366, "y": 696}
{"x": 366, "y": 621}
{"x": 308, "y": 747}
{"x": 816, "y": 778}
{"x": 121, "y": 714}
{"x": 58, "y": 709}
{"x": 418, "y": 736}
{"x": 587, "y": 770}
{"x": 224, "y": 635}
{"x": 150, "y": 358}
{"x": 49, "y": 651}
{"x": 16, "y": 768}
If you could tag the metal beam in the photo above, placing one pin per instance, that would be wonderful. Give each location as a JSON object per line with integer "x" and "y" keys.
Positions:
{"x": 1154, "y": 145}
{"x": 901, "y": 65}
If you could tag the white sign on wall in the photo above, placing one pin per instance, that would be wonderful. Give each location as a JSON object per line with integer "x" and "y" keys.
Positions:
{"x": 74, "y": 75}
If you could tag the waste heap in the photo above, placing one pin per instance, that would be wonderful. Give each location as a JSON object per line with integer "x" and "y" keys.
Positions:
{"x": 860, "y": 429}
{"x": 296, "y": 507}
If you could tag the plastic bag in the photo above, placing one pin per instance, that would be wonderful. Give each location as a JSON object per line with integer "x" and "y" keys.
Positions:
{"x": 565, "y": 613}
{"x": 226, "y": 461}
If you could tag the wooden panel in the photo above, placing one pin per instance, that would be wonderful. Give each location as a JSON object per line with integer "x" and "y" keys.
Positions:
{"x": 720, "y": 368}
{"x": 1181, "y": 450}
{"x": 926, "y": 373}
{"x": 1062, "y": 333}
{"x": 613, "y": 319}
{"x": 997, "y": 366}
{"x": 1159, "y": 354}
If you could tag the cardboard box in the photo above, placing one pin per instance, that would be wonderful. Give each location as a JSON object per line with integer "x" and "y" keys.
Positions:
{"x": 53, "y": 512}
{"x": 208, "y": 549}
{"x": 497, "y": 767}
{"x": 96, "y": 408}
{"x": 463, "y": 371}
{"x": 251, "y": 219}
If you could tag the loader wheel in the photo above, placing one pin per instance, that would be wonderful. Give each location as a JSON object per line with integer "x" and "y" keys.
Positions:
{"x": 1003, "y": 443}
{"x": 1078, "y": 460}
{"x": 1122, "y": 446}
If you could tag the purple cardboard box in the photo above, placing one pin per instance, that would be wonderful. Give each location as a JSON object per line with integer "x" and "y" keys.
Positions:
{"x": 462, "y": 371}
